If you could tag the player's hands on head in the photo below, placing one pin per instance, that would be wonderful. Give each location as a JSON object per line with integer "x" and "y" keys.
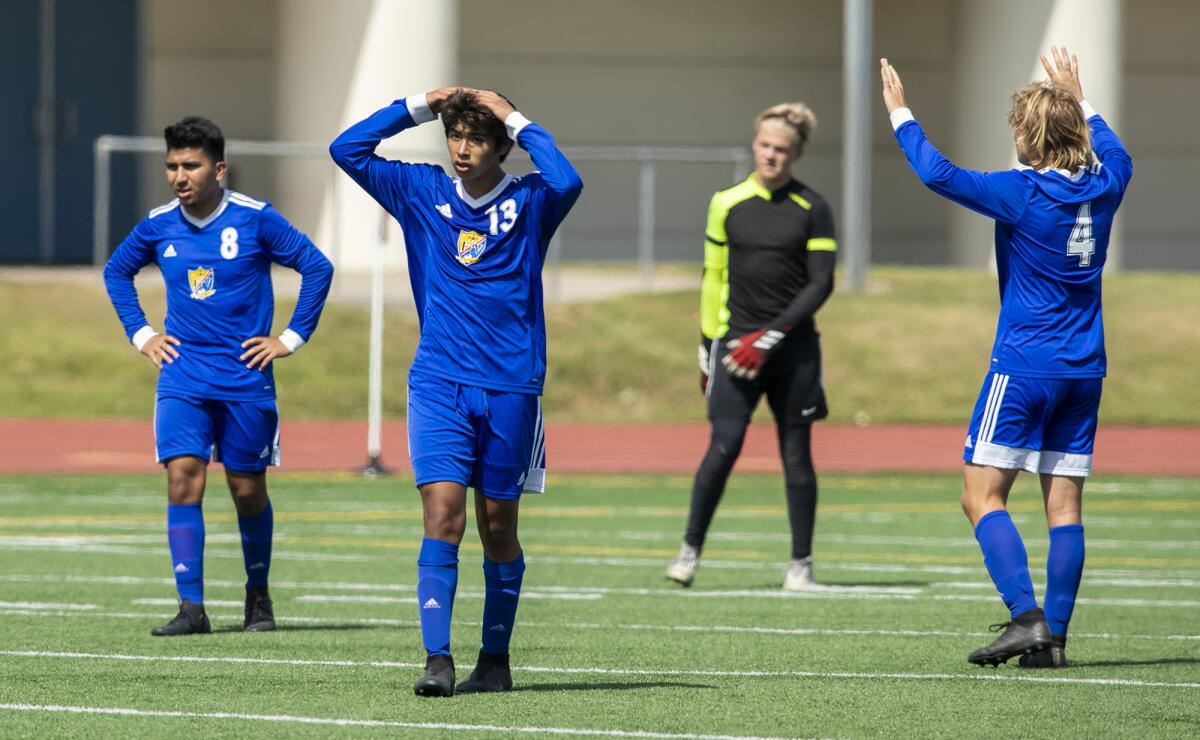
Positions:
{"x": 1064, "y": 71}
{"x": 499, "y": 107}
{"x": 160, "y": 348}
{"x": 435, "y": 98}
{"x": 260, "y": 351}
{"x": 749, "y": 353}
{"x": 893, "y": 89}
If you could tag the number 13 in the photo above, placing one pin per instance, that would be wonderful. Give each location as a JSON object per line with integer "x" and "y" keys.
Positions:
{"x": 509, "y": 209}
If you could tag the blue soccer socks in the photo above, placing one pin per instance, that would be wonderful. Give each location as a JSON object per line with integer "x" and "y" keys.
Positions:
{"x": 1006, "y": 560}
{"x": 503, "y": 584}
{"x": 256, "y": 532}
{"x": 437, "y": 579}
{"x": 185, "y": 537}
{"x": 1064, "y": 568}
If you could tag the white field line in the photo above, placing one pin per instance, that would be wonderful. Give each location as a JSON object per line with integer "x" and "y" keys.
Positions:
{"x": 634, "y": 536}
{"x": 46, "y": 605}
{"x": 1121, "y": 582}
{"x": 620, "y": 671}
{"x": 175, "y": 603}
{"x": 461, "y": 593}
{"x": 619, "y": 626}
{"x": 75, "y": 544}
{"x": 336, "y": 722}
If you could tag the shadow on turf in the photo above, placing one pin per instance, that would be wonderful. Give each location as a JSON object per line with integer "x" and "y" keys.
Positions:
{"x": 307, "y": 628}
{"x": 613, "y": 686}
{"x": 1114, "y": 663}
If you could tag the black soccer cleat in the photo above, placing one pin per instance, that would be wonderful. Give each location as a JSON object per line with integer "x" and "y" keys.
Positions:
{"x": 1054, "y": 656}
{"x": 1025, "y": 634}
{"x": 260, "y": 613}
{"x": 438, "y": 679}
{"x": 491, "y": 674}
{"x": 191, "y": 620}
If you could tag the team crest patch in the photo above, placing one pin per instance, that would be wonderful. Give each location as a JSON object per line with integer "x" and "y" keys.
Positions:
{"x": 470, "y": 246}
{"x": 201, "y": 280}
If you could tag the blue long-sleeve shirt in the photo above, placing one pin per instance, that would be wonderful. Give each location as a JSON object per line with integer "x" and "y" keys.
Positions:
{"x": 1052, "y": 232}
{"x": 474, "y": 263}
{"x": 217, "y": 274}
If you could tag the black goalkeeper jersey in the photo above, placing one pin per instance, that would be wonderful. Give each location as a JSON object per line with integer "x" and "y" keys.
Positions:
{"x": 762, "y": 252}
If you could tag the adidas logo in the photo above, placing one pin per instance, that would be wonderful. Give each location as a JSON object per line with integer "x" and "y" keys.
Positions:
{"x": 181, "y": 568}
{"x": 498, "y": 628}
{"x": 431, "y": 604}
{"x": 444, "y": 209}
{"x": 266, "y": 451}
{"x": 257, "y": 566}
{"x": 170, "y": 251}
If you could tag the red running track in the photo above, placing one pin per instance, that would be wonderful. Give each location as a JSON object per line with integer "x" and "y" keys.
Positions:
{"x": 127, "y": 446}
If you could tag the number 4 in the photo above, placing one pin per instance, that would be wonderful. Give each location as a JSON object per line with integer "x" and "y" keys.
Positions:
{"x": 1081, "y": 242}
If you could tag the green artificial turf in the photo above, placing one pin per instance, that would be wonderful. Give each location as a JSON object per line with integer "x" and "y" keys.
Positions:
{"x": 602, "y": 641}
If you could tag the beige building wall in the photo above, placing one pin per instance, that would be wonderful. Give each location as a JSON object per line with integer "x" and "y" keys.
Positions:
{"x": 218, "y": 61}
{"x": 634, "y": 72}
{"x": 661, "y": 72}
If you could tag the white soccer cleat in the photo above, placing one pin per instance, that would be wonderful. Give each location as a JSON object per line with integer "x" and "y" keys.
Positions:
{"x": 799, "y": 575}
{"x": 683, "y": 568}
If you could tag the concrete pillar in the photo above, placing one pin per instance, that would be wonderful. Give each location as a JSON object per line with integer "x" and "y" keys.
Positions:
{"x": 338, "y": 63}
{"x": 998, "y": 45}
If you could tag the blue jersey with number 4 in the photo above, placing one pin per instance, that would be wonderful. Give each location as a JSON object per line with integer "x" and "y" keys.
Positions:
{"x": 217, "y": 273}
{"x": 475, "y": 263}
{"x": 1052, "y": 230}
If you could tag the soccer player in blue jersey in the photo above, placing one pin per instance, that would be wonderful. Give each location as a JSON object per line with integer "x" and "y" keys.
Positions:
{"x": 476, "y": 243}
{"x": 1038, "y": 405}
{"x": 216, "y": 384}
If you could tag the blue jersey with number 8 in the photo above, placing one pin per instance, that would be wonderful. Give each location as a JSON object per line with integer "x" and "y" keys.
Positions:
{"x": 1052, "y": 231}
{"x": 217, "y": 274}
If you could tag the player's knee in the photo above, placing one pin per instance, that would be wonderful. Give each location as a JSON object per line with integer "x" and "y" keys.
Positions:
{"x": 727, "y": 439}
{"x": 498, "y": 538}
{"x": 445, "y": 523}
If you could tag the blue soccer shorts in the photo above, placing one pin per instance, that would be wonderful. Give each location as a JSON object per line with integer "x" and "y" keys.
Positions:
{"x": 492, "y": 441}
{"x": 1043, "y": 425}
{"x": 243, "y": 435}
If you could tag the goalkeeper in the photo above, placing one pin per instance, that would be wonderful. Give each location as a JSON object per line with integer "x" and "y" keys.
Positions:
{"x": 768, "y": 266}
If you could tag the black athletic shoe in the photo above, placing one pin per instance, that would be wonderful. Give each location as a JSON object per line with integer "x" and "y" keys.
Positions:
{"x": 191, "y": 620}
{"x": 1054, "y": 656}
{"x": 1025, "y": 634}
{"x": 438, "y": 679}
{"x": 260, "y": 614}
{"x": 491, "y": 674}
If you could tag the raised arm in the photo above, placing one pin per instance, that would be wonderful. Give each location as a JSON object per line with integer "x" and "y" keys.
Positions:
{"x": 354, "y": 149}
{"x": 1064, "y": 71}
{"x": 999, "y": 195}
{"x": 557, "y": 172}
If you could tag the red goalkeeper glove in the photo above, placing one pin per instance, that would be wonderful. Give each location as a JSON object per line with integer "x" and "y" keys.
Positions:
{"x": 749, "y": 353}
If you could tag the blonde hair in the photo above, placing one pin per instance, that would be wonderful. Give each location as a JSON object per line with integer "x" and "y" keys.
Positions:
{"x": 797, "y": 116}
{"x": 1048, "y": 124}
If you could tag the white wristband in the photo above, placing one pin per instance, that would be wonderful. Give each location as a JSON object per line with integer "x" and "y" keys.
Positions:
{"x": 514, "y": 123}
{"x": 901, "y": 116}
{"x": 141, "y": 336}
{"x": 418, "y": 108}
{"x": 291, "y": 340}
{"x": 1088, "y": 110}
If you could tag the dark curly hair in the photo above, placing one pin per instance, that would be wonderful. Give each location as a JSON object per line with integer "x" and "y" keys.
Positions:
{"x": 462, "y": 107}
{"x": 196, "y": 132}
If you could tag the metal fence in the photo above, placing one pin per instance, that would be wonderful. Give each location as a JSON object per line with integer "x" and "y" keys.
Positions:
{"x": 647, "y": 159}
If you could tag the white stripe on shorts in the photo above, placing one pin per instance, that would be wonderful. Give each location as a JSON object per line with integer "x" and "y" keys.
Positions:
{"x": 987, "y": 426}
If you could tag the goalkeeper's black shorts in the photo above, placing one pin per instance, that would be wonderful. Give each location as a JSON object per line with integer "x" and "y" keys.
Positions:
{"x": 791, "y": 380}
